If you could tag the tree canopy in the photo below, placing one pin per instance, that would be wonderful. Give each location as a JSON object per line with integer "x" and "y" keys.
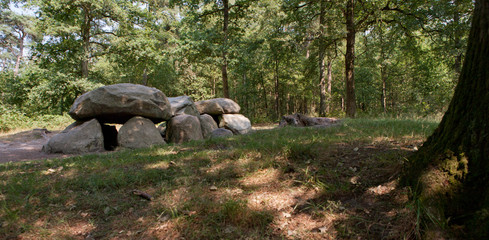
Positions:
{"x": 274, "y": 57}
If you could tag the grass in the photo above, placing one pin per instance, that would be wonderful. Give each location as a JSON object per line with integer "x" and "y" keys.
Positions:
{"x": 16, "y": 121}
{"x": 289, "y": 183}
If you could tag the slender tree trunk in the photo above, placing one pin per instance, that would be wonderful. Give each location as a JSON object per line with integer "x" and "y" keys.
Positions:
{"x": 330, "y": 81}
{"x": 459, "y": 147}
{"x": 277, "y": 95}
{"x": 350, "y": 60}
{"x": 21, "y": 54}
{"x": 457, "y": 39}
{"x": 85, "y": 32}
{"x": 224, "y": 67}
{"x": 322, "y": 53}
{"x": 383, "y": 74}
{"x": 264, "y": 92}
{"x": 384, "y": 89}
{"x": 145, "y": 77}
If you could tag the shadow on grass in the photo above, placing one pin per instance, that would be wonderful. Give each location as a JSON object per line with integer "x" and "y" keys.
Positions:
{"x": 278, "y": 184}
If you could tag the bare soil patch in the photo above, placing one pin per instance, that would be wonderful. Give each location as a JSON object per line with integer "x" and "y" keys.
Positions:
{"x": 26, "y": 145}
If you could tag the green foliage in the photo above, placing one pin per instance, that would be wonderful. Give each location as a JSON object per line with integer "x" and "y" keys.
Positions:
{"x": 273, "y": 50}
{"x": 13, "y": 119}
{"x": 39, "y": 91}
{"x": 56, "y": 92}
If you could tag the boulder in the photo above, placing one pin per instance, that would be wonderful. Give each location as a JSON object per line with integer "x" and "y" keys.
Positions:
{"x": 217, "y": 106}
{"x": 79, "y": 137}
{"x": 183, "y": 105}
{"x": 139, "y": 132}
{"x": 237, "y": 123}
{"x": 120, "y": 102}
{"x": 221, "y": 132}
{"x": 183, "y": 128}
{"x": 300, "y": 120}
{"x": 207, "y": 124}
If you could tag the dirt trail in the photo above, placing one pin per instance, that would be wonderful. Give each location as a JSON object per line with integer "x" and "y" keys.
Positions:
{"x": 25, "y": 146}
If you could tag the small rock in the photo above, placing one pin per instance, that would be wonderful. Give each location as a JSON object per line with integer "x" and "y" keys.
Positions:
{"x": 107, "y": 210}
{"x": 355, "y": 180}
{"x": 355, "y": 149}
{"x": 213, "y": 188}
{"x": 164, "y": 218}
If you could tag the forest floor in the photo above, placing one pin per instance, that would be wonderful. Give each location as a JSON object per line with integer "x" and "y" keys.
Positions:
{"x": 25, "y": 145}
{"x": 276, "y": 183}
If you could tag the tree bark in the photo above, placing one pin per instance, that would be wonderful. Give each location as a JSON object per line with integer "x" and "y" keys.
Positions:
{"x": 322, "y": 53}
{"x": 462, "y": 138}
{"x": 224, "y": 67}
{"x": 330, "y": 81}
{"x": 21, "y": 53}
{"x": 457, "y": 35}
{"x": 350, "y": 59}
{"x": 277, "y": 95}
{"x": 85, "y": 34}
{"x": 383, "y": 74}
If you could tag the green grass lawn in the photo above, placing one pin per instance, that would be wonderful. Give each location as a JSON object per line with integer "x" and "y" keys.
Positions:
{"x": 288, "y": 183}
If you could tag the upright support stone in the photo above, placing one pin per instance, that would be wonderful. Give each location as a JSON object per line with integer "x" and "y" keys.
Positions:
{"x": 139, "y": 132}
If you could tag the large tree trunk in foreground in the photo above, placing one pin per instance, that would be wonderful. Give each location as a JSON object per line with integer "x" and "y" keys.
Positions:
{"x": 453, "y": 164}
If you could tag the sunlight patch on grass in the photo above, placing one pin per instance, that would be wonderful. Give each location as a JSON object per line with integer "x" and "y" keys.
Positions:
{"x": 157, "y": 165}
{"x": 264, "y": 177}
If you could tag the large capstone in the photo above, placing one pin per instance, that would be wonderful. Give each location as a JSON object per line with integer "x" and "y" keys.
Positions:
{"x": 183, "y": 105}
{"x": 139, "y": 132}
{"x": 217, "y": 106}
{"x": 120, "y": 102}
{"x": 237, "y": 123}
{"x": 207, "y": 124}
{"x": 183, "y": 128}
{"x": 79, "y": 137}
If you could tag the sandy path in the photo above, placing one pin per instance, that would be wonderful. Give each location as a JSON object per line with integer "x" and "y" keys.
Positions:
{"x": 26, "y": 145}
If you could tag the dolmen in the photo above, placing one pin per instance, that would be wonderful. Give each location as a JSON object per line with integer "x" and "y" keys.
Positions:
{"x": 148, "y": 118}
{"x": 301, "y": 120}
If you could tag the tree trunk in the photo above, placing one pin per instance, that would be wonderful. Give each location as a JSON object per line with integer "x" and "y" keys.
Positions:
{"x": 322, "y": 68}
{"x": 264, "y": 96}
{"x": 21, "y": 54}
{"x": 457, "y": 35}
{"x": 85, "y": 33}
{"x": 350, "y": 60}
{"x": 459, "y": 147}
{"x": 277, "y": 95}
{"x": 224, "y": 67}
{"x": 383, "y": 75}
{"x": 330, "y": 81}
